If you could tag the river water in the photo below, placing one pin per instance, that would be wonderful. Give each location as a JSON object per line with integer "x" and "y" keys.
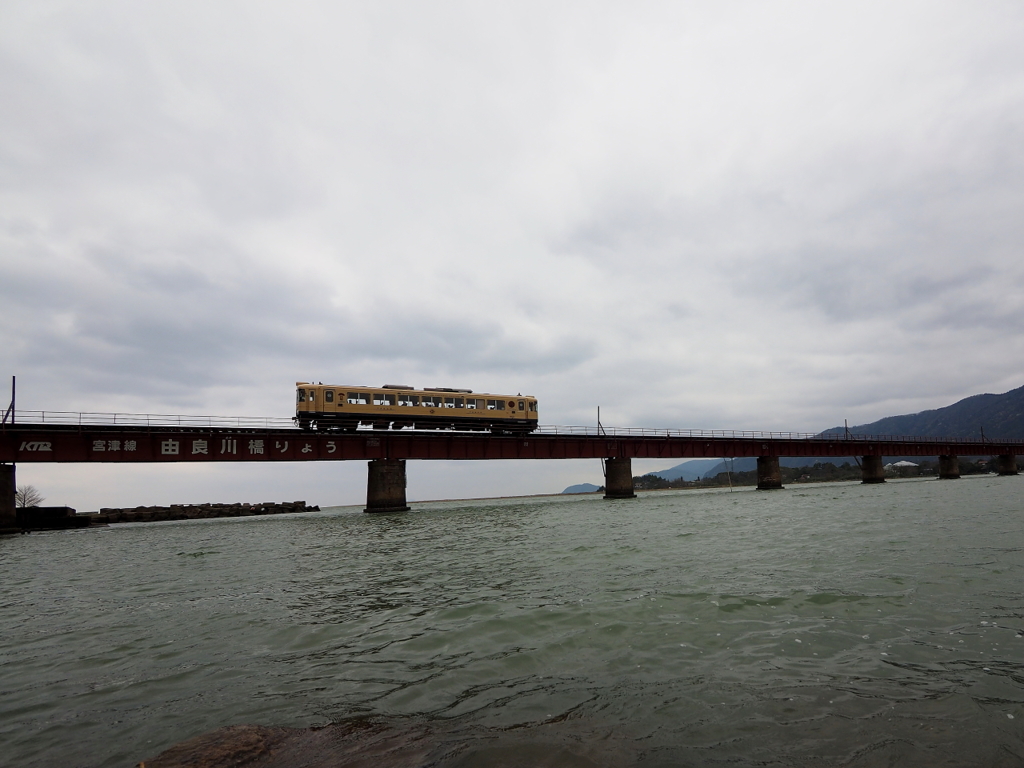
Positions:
{"x": 832, "y": 624}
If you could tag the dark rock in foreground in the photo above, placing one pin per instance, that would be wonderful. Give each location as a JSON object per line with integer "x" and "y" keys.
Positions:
{"x": 372, "y": 743}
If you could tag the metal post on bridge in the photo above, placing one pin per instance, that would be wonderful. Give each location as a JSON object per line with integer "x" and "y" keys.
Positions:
{"x": 8, "y": 479}
{"x": 11, "y": 413}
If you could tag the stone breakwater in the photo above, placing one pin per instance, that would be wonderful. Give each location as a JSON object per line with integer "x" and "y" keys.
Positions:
{"x": 196, "y": 512}
{"x": 57, "y": 518}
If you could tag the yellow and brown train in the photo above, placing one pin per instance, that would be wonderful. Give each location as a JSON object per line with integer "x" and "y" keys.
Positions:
{"x": 393, "y": 406}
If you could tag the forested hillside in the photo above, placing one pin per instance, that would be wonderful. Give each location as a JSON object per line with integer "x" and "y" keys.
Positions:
{"x": 1000, "y": 416}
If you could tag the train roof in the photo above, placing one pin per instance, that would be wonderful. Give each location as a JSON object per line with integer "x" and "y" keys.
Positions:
{"x": 405, "y": 388}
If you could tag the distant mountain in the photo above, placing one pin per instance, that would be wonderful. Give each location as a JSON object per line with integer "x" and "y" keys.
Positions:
{"x": 690, "y": 470}
{"x": 1001, "y": 416}
{"x": 582, "y": 488}
{"x": 750, "y": 464}
{"x": 697, "y": 469}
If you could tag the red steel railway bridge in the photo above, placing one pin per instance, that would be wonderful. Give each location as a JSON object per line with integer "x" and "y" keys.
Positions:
{"x": 47, "y": 436}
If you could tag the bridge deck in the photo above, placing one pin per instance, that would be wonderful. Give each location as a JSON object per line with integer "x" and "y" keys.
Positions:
{"x": 110, "y": 442}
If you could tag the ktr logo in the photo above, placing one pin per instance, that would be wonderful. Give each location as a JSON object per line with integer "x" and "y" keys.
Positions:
{"x": 36, "y": 445}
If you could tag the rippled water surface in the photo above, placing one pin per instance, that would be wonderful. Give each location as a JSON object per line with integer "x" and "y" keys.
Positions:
{"x": 820, "y": 625}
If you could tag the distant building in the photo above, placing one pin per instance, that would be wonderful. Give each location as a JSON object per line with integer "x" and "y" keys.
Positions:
{"x": 900, "y": 468}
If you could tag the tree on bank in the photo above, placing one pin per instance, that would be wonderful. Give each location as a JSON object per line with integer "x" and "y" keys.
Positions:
{"x": 27, "y": 496}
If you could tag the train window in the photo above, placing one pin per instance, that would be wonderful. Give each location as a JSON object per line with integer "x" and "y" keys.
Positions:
{"x": 358, "y": 398}
{"x": 460, "y": 402}
{"x": 533, "y": 406}
{"x": 495, "y": 405}
{"x": 382, "y": 399}
{"x": 408, "y": 400}
{"x": 449, "y": 402}
{"x": 302, "y": 396}
{"x": 329, "y": 396}
{"x": 471, "y": 402}
{"x": 522, "y": 405}
{"x": 311, "y": 395}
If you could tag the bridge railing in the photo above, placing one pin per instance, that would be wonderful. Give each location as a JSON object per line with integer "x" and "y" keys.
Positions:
{"x": 86, "y": 419}
{"x": 651, "y": 432}
{"x": 753, "y": 435}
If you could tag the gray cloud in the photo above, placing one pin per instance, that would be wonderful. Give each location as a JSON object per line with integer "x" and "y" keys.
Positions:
{"x": 727, "y": 216}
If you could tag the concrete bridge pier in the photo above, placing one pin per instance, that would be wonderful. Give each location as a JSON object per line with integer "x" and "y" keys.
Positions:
{"x": 769, "y": 473}
{"x": 8, "y": 508}
{"x": 871, "y": 470}
{"x": 949, "y": 468}
{"x": 1006, "y": 464}
{"x": 618, "y": 478}
{"x": 385, "y": 486}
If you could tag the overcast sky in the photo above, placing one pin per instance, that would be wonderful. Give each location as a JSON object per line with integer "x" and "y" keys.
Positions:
{"x": 742, "y": 215}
